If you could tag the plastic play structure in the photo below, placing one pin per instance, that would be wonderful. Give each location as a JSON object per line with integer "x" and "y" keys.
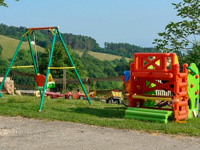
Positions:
{"x": 151, "y": 72}
{"x": 42, "y": 81}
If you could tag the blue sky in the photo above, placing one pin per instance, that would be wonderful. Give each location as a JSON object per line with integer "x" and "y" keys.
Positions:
{"x": 129, "y": 21}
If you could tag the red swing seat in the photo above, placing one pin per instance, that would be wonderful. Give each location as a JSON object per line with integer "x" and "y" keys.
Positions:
{"x": 40, "y": 79}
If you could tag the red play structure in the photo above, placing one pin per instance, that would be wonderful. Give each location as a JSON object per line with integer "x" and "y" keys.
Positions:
{"x": 152, "y": 71}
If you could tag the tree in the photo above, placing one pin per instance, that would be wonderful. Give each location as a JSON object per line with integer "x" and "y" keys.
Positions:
{"x": 121, "y": 66}
{"x": 1, "y": 49}
{"x": 183, "y": 35}
{"x": 4, "y": 65}
{"x": 4, "y": 4}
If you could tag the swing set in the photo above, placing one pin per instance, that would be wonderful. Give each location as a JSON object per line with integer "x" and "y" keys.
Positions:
{"x": 43, "y": 82}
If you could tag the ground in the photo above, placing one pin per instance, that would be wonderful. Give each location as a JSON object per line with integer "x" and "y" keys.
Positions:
{"x": 20, "y": 133}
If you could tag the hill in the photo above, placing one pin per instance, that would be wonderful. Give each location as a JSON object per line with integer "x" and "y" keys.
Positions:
{"x": 101, "y": 56}
{"x": 10, "y": 45}
{"x": 80, "y": 42}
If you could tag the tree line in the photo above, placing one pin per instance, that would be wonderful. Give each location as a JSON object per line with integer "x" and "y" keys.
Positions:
{"x": 123, "y": 49}
{"x": 86, "y": 43}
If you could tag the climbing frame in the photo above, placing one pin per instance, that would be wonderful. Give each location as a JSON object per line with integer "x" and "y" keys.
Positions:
{"x": 154, "y": 67}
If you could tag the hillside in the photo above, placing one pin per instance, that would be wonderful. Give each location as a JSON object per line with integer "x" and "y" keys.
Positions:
{"x": 80, "y": 42}
{"x": 101, "y": 56}
{"x": 10, "y": 45}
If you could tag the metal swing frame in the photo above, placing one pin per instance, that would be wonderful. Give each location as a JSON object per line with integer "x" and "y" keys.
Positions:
{"x": 55, "y": 31}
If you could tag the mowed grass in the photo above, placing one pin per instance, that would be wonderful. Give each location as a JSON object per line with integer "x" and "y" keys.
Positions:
{"x": 10, "y": 45}
{"x": 102, "y": 56}
{"x": 99, "y": 113}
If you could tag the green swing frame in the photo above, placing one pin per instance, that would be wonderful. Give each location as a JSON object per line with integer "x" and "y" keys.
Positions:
{"x": 55, "y": 31}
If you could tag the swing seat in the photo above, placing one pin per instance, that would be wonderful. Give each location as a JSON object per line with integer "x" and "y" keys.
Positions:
{"x": 40, "y": 79}
{"x": 51, "y": 85}
{"x": 50, "y": 82}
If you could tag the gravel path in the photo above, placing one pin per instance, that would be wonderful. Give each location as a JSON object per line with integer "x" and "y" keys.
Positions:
{"x": 17, "y": 133}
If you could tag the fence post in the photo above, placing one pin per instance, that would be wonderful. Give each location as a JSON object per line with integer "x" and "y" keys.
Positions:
{"x": 64, "y": 81}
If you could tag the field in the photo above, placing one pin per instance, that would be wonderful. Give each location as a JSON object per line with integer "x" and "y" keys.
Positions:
{"x": 99, "y": 113}
{"x": 10, "y": 45}
{"x": 102, "y": 56}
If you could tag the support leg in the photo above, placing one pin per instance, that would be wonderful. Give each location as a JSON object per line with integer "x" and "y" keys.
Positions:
{"x": 32, "y": 54}
{"x": 7, "y": 72}
{"x": 74, "y": 68}
{"x": 48, "y": 70}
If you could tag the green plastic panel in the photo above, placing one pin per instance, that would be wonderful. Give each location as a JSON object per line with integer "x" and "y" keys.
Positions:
{"x": 193, "y": 90}
{"x": 150, "y": 103}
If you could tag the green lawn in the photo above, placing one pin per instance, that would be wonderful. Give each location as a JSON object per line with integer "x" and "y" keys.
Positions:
{"x": 10, "y": 45}
{"x": 99, "y": 113}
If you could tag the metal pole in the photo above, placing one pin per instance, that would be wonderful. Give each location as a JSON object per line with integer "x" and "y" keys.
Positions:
{"x": 48, "y": 70}
{"x": 7, "y": 72}
{"x": 74, "y": 68}
{"x": 32, "y": 54}
{"x": 41, "y": 28}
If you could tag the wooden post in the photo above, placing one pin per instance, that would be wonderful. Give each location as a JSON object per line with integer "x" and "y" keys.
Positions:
{"x": 88, "y": 88}
{"x": 87, "y": 84}
{"x": 64, "y": 81}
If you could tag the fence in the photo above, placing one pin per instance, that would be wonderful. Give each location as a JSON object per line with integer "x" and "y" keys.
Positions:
{"x": 62, "y": 81}
{"x": 86, "y": 81}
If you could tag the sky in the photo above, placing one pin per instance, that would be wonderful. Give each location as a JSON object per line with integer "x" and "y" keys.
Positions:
{"x": 119, "y": 21}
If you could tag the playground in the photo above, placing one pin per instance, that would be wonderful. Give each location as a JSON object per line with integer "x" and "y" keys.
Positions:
{"x": 149, "y": 72}
{"x": 58, "y": 92}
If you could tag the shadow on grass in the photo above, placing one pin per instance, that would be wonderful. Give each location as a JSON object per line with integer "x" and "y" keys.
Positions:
{"x": 107, "y": 112}
{"x": 18, "y": 101}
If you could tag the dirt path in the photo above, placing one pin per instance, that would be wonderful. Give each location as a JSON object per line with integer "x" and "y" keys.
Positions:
{"x": 17, "y": 133}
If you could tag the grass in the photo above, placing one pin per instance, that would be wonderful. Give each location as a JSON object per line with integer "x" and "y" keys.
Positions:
{"x": 99, "y": 113}
{"x": 102, "y": 56}
{"x": 10, "y": 45}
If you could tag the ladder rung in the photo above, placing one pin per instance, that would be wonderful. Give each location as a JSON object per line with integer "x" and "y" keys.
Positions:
{"x": 183, "y": 75}
{"x": 183, "y": 112}
{"x": 151, "y": 98}
{"x": 182, "y": 94}
{"x": 183, "y": 84}
{"x": 183, "y": 103}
